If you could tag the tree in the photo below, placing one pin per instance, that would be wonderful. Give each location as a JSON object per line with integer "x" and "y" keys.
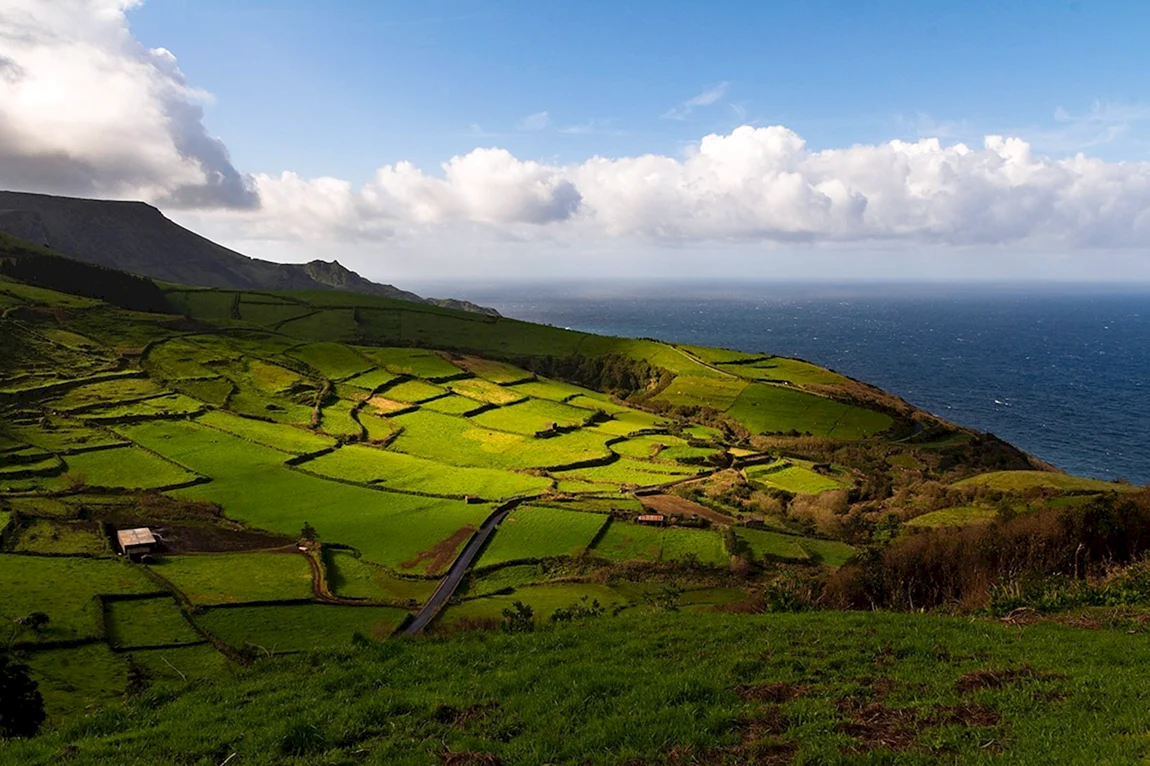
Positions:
{"x": 308, "y": 532}
{"x": 21, "y": 705}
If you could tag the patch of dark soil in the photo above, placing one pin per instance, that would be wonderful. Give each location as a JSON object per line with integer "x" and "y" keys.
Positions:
{"x": 440, "y": 556}
{"x": 777, "y": 691}
{"x": 468, "y": 758}
{"x": 997, "y": 679}
{"x": 460, "y": 718}
{"x": 877, "y": 726}
{"x": 183, "y": 538}
{"x": 768, "y": 721}
{"x": 979, "y": 716}
{"x": 772, "y": 753}
{"x": 673, "y": 505}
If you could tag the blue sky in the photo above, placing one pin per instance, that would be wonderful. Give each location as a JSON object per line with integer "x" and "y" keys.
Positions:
{"x": 341, "y": 88}
{"x": 515, "y": 139}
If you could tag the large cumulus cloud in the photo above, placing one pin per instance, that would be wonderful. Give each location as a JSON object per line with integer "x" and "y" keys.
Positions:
{"x": 753, "y": 184}
{"x": 86, "y": 109}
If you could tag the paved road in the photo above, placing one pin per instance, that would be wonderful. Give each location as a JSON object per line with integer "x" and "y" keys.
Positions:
{"x": 454, "y": 577}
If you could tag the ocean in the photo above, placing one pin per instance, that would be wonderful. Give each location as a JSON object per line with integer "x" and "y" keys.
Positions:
{"x": 1058, "y": 370}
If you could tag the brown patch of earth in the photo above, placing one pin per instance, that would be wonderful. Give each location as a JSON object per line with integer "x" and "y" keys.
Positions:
{"x": 213, "y": 539}
{"x": 387, "y": 405}
{"x": 997, "y": 679}
{"x": 669, "y": 505}
{"x": 442, "y": 553}
{"x": 778, "y": 691}
{"x": 877, "y": 726}
{"x": 468, "y": 758}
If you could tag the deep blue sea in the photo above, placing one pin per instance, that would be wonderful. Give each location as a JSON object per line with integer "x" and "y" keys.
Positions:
{"x": 1061, "y": 371}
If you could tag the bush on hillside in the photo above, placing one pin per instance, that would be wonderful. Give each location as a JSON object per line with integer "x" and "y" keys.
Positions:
{"x": 963, "y": 567}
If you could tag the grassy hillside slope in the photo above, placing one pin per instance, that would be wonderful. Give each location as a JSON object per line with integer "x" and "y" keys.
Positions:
{"x": 657, "y": 687}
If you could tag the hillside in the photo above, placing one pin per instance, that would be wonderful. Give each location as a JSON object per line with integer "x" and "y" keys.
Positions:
{"x": 326, "y": 470}
{"x": 136, "y": 237}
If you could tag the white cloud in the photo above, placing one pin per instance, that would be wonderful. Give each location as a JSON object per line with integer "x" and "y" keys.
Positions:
{"x": 706, "y": 98}
{"x": 537, "y": 121}
{"x": 751, "y": 185}
{"x": 86, "y": 109}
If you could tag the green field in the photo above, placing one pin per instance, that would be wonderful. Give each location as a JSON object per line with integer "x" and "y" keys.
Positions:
{"x": 413, "y": 391}
{"x": 772, "y": 546}
{"x": 628, "y": 471}
{"x": 555, "y": 390}
{"x": 64, "y": 589}
{"x": 486, "y": 392}
{"x": 394, "y": 470}
{"x": 543, "y": 599}
{"x": 299, "y": 627}
{"x": 634, "y": 542}
{"x": 773, "y": 409}
{"x": 333, "y": 360}
{"x": 531, "y": 416}
{"x": 147, "y": 622}
{"x": 61, "y": 538}
{"x": 958, "y": 516}
{"x": 389, "y": 528}
{"x": 536, "y": 532}
{"x": 411, "y": 361}
{"x": 793, "y": 478}
{"x": 1018, "y": 481}
{"x": 352, "y": 577}
{"x": 291, "y": 439}
{"x": 716, "y": 391}
{"x": 231, "y": 578}
{"x": 458, "y": 441}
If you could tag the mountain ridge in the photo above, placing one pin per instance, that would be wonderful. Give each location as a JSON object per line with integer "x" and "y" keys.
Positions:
{"x": 136, "y": 237}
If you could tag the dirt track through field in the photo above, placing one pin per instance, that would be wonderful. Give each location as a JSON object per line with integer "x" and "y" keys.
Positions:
{"x": 675, "y": 505}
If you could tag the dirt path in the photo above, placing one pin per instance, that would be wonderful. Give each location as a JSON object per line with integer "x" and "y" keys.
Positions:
{"x": 673, "y": 504}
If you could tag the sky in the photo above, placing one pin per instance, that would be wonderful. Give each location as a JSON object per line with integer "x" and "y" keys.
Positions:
{"x": 518, "y": 140}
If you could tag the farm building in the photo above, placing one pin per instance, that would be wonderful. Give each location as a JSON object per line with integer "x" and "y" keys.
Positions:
{"x": 136, "y": 542}
{"x": 656, "y": 519}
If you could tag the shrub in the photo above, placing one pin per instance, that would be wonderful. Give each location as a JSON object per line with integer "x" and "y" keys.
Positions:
{"x": 21, "y": 705}
{"x": 518, "y": 618}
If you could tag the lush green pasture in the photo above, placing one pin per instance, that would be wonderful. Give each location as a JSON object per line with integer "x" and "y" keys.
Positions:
{"x": 333, "y": 360}
{"x": 792, "y": 371}
{"x": 64, "y": 435}
{"x": 229, "y": 578}
{"x": 372, "y": 379}
{"x": 772, "y": 546}
{"x": 536, "y": 532}
{"x": 324, "y": 325}
{"x": 411, "y": 361}
{"x": 395, "y": 470}
{"x": 64, "y": 589}
{"x": 59, "y": 537}
{"x": 647, "y": 446}
{"x": 543, "y": 599}
{"x": 531, "y": 416}
{"x": 958, "y": 516}
{"x": 486, "y": 392}
{"x": 413, "y": 391}
{"x": 290, "y": 439}
{"x": 336, "y": 420}
{"x": 793, "y": 478}
{"x": 270, "y": 314}
{"x": 634, "y": 542}
{"x": 177, "y": 665}
{"x": 453, "y": 404}
{"x": 1018, "y": 481}
{"x": 128, "y": 467}
{"x": 554, "y": 390}
{"x": 299, "y": 627}
{"x": 107, "y": 392}
{"x": 389, "y": 528}
{"x": 497, "y": 372}
{"x": 352, "y": 577}
{"x": 76, "y": 681}
{"x": 147, "y": 622}
{"x": 157, "y": 407}
{"x": 718, "y": 392}
{"x": 774, "y": 409}
{"x": 629, "y": 472}
{"x": 458, "y": 441}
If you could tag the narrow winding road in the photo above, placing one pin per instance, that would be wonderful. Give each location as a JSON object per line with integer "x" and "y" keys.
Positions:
{"x": 450, "y": 583}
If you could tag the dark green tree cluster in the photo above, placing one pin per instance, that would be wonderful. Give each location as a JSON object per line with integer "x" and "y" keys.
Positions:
{"x": 612, "y": 373}
{"x": 21, "y": 705}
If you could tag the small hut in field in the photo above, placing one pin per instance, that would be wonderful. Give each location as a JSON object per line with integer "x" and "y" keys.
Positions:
{"x": 135, "y": 543}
